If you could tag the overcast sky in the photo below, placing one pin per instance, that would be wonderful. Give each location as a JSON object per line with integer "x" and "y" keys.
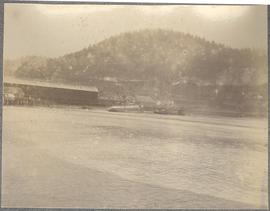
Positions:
{"x": 54, "y": 30}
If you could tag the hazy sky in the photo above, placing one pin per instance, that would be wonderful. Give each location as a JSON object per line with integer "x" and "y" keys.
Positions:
{"x": 54, "y": 30}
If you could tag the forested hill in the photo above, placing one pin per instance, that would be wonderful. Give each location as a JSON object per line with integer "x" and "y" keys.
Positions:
{"x": 161, "y": 55}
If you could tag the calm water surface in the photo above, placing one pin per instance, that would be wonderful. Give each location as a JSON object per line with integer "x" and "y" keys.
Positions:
{"x": 221, "y": 157}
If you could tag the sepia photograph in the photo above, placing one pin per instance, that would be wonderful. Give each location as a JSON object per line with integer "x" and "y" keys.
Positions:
{"x": 145, "y": 106}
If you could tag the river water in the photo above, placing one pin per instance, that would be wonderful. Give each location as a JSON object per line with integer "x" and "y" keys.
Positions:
{"x": 220, "y": 157}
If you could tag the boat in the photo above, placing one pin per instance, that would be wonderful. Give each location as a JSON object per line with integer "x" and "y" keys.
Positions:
{"x": 125, "y": 108}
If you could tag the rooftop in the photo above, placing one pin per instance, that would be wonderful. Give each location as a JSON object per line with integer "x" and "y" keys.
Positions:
{"x": 49, "y": 84}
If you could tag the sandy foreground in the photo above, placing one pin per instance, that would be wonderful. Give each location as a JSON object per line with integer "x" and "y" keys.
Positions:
{"x": 56, "y": 157}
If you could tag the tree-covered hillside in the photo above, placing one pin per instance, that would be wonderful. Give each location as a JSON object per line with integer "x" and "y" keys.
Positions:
{"x": 161, "y": 55}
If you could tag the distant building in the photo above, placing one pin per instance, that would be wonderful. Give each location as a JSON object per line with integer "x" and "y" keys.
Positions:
{"x": 54, "y": 93}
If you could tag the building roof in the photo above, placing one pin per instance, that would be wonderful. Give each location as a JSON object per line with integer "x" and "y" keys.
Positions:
{"x": 50, "y": 85}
